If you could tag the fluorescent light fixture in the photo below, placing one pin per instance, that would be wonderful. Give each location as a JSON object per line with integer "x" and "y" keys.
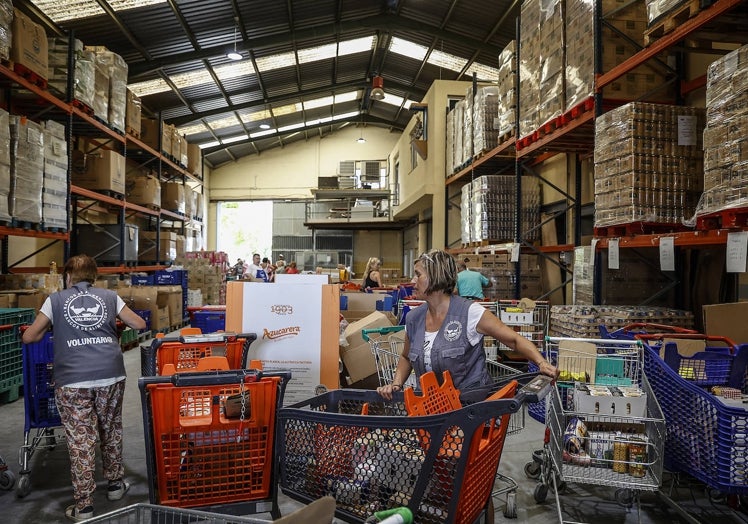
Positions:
{"x": 206, "y": 145}
{"x": 264, "y": 126}
{"x": 232, "y": 139}
{"x": 361, "y": 140}
{"x": 75, "y": 9}
{"x": 260, "y": 134}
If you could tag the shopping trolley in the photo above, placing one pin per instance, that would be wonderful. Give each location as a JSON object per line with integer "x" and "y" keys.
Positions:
{"x": 210, "y": 439}
{"x": 40, "y": 409}
{"x": 180, "y": 352}
{"x": 386, "y": 345}
{"x": 365, "y": 451}
{"x": 630, "y": 331}
{"x": 144, "y": 513}
{"x": 603, "y": 425}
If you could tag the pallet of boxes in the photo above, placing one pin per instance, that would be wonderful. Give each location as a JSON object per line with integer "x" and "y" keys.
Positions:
{"x": 206, "y": 272}
{"x": 165, "y": 303}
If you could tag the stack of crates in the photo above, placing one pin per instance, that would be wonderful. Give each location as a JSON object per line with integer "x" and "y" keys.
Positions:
{"x": 209, "y": 321}
{"x": 175, "y": 277}
{"x": 11, "y": 356}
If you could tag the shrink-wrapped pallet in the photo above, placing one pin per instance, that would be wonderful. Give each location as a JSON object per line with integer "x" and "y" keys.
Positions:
{"x": 4, "y": 166}
{"x": 485, "y": 120}
{"x": 55, "y": 182}
{"x": 26, "y": 170}
{"x": 6, "y": 24}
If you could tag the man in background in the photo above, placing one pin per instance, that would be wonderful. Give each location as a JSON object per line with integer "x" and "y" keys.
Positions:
{"x": 470, "y": 284}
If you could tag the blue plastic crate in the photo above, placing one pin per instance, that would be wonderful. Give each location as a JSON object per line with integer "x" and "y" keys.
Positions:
{"x": 39, "y": 395}
{"x": 209, "y": 321}
{"x": 706, "y": 437}
{"x": 142, "y": 280}
{"x": 170, "y": 277}
{"x": 145, "y": 314}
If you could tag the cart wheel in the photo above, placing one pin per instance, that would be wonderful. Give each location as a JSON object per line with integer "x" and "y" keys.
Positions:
{"x": 532, "y": 470}
{"x": 510, "y": 510}
{"x": 625, "y": 497}
{"x": 715, "y": 496}
{"x": 23, "y": 487}
{"x": 540, "y": 493}
{"x": 560, "y": 485}
{"x": 7, "y": 480}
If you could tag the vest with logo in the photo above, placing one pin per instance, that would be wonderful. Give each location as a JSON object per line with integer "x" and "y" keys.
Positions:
{"x": 451, "y": 350}
{"x": 86, "y": 344}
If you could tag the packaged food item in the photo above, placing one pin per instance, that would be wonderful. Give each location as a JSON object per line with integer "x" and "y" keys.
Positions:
{"x": 620, "y": 455}
{"x": 637, "y": 457}
{"x": 575, "y": 436}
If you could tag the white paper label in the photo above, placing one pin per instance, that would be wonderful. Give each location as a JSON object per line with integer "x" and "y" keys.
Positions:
{"x": 515, "y": 252}
{"x": 687, "y": 130}
{"x": 736, "y": 251}
{"x": 667, "y": 254}
{"x": 614, "y": 260}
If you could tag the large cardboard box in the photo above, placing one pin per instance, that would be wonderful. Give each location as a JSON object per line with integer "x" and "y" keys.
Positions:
{"x": 103, "y": 170}
{"x": 29, "y": 46}
{"x": 133, "y": 113}
{"x": 172, "y": 196}
{"x": 144, "y": 190}
{"x": 167, "y": 248}
{"x": 357, "y": 356}
{"x": 171, "y": 296}
{"x": 31, "y": 300}
{"x": 727, "y": 320}
{"x": 194, "y": 159}
{"x": 160, "y": 320}
{"x": 149, "y": 132}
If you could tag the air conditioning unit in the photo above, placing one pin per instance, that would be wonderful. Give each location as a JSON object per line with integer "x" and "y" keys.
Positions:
{"x": 371, "y": 171}
{"x": 347, "y": 168}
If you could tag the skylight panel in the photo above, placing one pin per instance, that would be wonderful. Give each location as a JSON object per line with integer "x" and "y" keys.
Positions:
{"x": 409, "y": 49}
{"x": 192, "y": 129}
{"x": 483, "y": 72}
{"x": 396, "y": 100}
{"x": 262, "y": 133}
{"x": 206, "y": 145}
{"x": 330, "y": 100}
{"x": 149, "y": 87}
{"x": 75, "y": 9}
{"x": 446, "y": 60}
{"x": 268, "y": 63}
{"x": 291, "y": 127}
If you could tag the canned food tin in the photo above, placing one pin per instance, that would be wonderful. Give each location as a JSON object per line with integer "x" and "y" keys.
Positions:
{"x": 620, "y": 455}
{"x": 637, "y": 457}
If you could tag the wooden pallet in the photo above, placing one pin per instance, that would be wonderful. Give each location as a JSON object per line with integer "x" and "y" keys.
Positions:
{"x": 507, "y": 136}
{"x": 32, "y": 77}
{"x": 672, "y": 19}
{"x": 735, "y": 218}
{"x": 83, "y": 107}
{"x": 132, "y": 132}
{"x": 638, "y": 228}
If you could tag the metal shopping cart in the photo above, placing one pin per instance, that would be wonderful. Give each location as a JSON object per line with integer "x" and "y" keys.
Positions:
{"x": 180, "y": 352}
{"x": 210, "y": 439}
{"x": 386, "y": 345}
{"x": 40, "y": 409}
{"x": 370, "y": 456}
{"x": 603, "y": 425}
{"x": 143, "y": 513}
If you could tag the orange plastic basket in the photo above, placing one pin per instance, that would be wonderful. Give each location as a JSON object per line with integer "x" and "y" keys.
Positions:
{"x": 204, "y": 458}
{"x": 186, "y": 356}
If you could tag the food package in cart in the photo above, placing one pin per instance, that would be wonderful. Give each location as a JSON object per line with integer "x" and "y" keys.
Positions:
{"x": 391, "y": 465}
{"x": 575, "y": 442}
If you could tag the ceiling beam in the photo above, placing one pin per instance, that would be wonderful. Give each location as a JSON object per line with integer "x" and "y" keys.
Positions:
{"x": 370, "y": 120}
{"x": 358, "y": 84}
{"x": 383, "y": 23}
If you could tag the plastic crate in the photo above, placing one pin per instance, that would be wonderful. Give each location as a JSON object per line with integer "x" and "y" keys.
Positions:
{"x": 169, "y": 277}
{"x": 142, "y": 280}
{"x": 209, "y": 321}
{"x": 39, "y": 397}
{"x": 197, "y": 456}
{"x": 145, "y": 314}
{"x": 17, "y": 316}
{"x": 706, "y": 437}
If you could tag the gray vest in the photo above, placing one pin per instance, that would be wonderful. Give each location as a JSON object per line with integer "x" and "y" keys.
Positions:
{"x": 85, "y": 343}
{"x": 452, "y": 350}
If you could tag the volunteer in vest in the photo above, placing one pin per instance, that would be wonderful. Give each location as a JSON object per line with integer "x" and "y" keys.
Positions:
{"x": 89, "y": 376}
{"x": 446, "y": 333}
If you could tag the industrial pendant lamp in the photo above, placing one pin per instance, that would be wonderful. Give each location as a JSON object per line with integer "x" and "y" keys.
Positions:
{"x": 377, "y": 88}
{"x": 234, "y": 55}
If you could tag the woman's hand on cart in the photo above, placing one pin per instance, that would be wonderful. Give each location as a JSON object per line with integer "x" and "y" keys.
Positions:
{"x": 548, "y": 369}
{"x": 387, "y": 390}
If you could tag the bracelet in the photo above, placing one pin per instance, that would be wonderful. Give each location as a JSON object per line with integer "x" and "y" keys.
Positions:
{"x": 399, "y": 386}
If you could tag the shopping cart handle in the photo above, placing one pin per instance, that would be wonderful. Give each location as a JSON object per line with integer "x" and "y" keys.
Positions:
{"x": 537, "y": 388}
{"x": 380, "y": 331}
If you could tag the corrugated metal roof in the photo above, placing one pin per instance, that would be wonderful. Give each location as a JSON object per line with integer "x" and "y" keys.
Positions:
{"x": 172, "y": 38}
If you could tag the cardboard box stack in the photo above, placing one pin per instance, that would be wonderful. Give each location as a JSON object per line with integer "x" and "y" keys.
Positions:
{"x": 143, "y": 189}
{"x": 583, "y": 291}
{"x": 195, "y": 160}
{"x": 150, "y": 134}
{"x": 466, "y": 214}
{"x": 485, "y": 119}
{"x": 4, "y": 165}
{"x": 499, "y": 269}
{"x": 28, "y": 290}
{"x": 101, "y": 84}
{"x": 449, "y": 145}
{"x": 467, "y": 126}
{"x": 493, "y": 208}
{"x": 117, "y": 93}
{"x": 166, "y": 250}
{"x": 583, "y": 321}
{"x": 529, "y": 67}
{"x": 726, "y": 133}
{"x": 26, "y": 169}
{"x": 507, "y": 93}
{"x": 172, "y": 197}
{"x": 360, "y": 364}
{"x": 552, "y": 45}
{"x": 99, "y": 169}
{"x": 29, "y": 45}
{"x": 55, "y": 182}
{"x": 648, "y": 163}
{"x": 85, "y": 70}
{"x": 167, "y": 133}
{"x": 6, "y": 22}
{"x": 133, "y": 111}
{"x": 207, "y": 272}
{"x": 460, "y": 156}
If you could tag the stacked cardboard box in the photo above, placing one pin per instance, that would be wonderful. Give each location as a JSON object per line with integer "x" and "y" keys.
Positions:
{"x": 173, "y": 196}
{"x": 583, "y": 320}
{"x": 133, "y": 112}
{"x": 449, "y": 145}
{"x": 507, "y": 92}
{"x": 165, "y": 251}
{"x": 467, "y": 126}
{"x": 466, "y": 213}
{"x": 6, "y": 21}
{"x": 493, "y": 208}
{"x": 726, "y": 133}
{"x": 194, "y": 159}
{"x": 99, "y": 169}
{"x": 55, "y": 182}
{"x": 552, "y": 46}
{"x": 460, "y": 156}
{"x": 648, "y": 164}
{"x": 164, "y": 303}
{"x": 167, "y": 135}
{"x": 29, "y": 45}
{"x": 4, "y": 165}
{"x": 83, "y": 86}
{"x": 26, "y": 169}
{"x": 207, "y": 272}
{"x": 485, "y": 121}
{"x": 583, "y": 291}
{"x": 143, "y": 189}
{"x": 117, "y": 94}
{"x": 499, "y": 269}
{"x": 529, "y": 67}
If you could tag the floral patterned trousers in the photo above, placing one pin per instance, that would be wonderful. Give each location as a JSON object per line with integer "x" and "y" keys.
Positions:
{"x": 88, "y": 415}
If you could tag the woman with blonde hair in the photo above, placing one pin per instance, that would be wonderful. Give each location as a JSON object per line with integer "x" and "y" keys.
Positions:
{"x": 372, "y": 278}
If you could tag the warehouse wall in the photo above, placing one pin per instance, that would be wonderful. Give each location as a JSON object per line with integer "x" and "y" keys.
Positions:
{"x": 422, "y": 183}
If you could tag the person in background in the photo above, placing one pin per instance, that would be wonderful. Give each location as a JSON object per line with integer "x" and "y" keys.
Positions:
{"x": 446, "y": 332}
{"x": 269, "y": 269}
{"x": 470, "y": 284}
{"x": 238, "y": 268}
{"x": 255, "y": 271}
{"x": 292, "y": 270}
{"x": 372, "y": 278}
{"x": 280, "y": 264}
{"x": 89, "y": 374}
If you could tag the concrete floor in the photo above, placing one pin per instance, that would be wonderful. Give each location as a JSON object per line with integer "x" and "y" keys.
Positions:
{"x": 51, "y": 491}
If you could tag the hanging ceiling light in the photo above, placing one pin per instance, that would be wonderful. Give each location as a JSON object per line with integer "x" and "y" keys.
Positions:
{"x": 361, "y": 140}
{"x": 234, "y": 55}
{"x": 377, "y": 88}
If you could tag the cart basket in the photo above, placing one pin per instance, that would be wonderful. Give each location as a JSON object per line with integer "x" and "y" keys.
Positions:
{"x": 184, "y": 351}
{"x": 364, "y": 451}
{"x": 199, "y": 455}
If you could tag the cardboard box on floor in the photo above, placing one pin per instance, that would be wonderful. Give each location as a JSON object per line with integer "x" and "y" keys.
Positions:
{"x": 171, "y": 296}
{"x": 727, "y": 320}
{"x": 357, "y": 356}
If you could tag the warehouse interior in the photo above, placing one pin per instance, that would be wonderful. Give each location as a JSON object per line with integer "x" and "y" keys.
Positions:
{"x": 587, "y": 158}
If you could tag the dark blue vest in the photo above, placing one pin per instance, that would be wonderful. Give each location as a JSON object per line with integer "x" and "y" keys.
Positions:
{"x": 86, "y": 344}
